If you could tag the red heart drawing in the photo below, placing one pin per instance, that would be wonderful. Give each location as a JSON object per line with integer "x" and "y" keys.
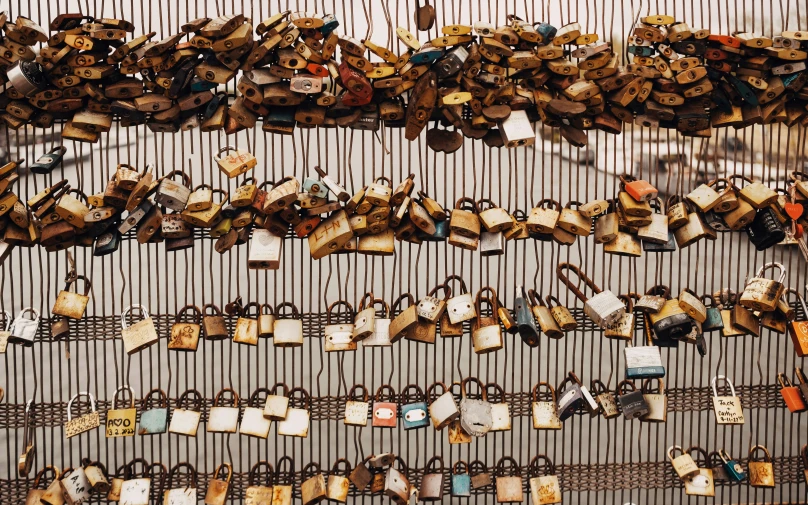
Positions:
{"x": 794, "y": 210}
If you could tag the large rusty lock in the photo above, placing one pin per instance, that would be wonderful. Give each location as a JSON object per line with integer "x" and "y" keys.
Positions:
{"x": 312, "y": 489}
{"x": 508, "y": 481}
{"x": 544, "y": 485}
{"x": 219, "y": 488}
{"x": 545, "y": 412}
{"x": 443, "y": 409}
{"x": 357, "y": 407}
{"x": 338, "y": 483}
{"x": 259, "y": 485}
{"x": 432, "y": 482}
{"x": 70, "y": 304}
{"x": 185, "y": 417}
{"x": 338, "y": 331}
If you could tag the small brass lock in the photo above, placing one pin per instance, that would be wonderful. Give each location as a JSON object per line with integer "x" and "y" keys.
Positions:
{"x": 121, "y": 422}
{"x": 236, "y": 161}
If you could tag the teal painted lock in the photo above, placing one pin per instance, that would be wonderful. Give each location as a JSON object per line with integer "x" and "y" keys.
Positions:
{"x": 440, "y": 235}
{"x": 198, "y": 85}
{"x": 426, "y": 56}
{"x": 213, "y": 104}
{"x": 547, "y": 31}
{"x": 281, "y": 116}
{"x": 47, "y": 162}
{"x": 668, "y": 246}
{"x": 733, "y": 469}
{"x": 154, "y": 419}
{"x": 714, "y": 320}
{"x": 525, "y": 322}
{"x": 315, "y": 187}
{"x": 641, "y": 50}
{"x": 330, "y": 23}
{"x": 107, "y": 243}
{"x": 461, "y": 479}
{"x": 414, "y": 410}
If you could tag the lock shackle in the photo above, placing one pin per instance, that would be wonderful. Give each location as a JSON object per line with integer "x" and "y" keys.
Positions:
{"x": 27, "y": 310}
{"x": 233, "y": 394}
{"x": 535, "y": 392}
{"x": 290, "y": 474}
{"x": 626, "y": 178}
{"x": 800, "y": 375}
{"x": 405, "y": 394}
{"x": 720, "y": 184}
{"x": 546, "y": 468}
{"x": 252, "y": 477}
{"x": 225, "y": 149}
{"x": 310, "y": 470}
{"x": 492, "y": 300}
{"x": 71, "y": 279}
{"x": 773, "y": 265}
{"x": 129, "y": 309}
{"x": 197, "y": 314}
{"x": 467, "y": 204}
{"x": 125, "y": 387}
{"x": 581, "y": 276}
{"x": 431, "y": 388}
{"x": 397, "y": 302}
{"x": 708, "y": 301}
{"x": 460, "y": 465}
{"x": 306, "y": 397}
{"x": 225, "y": 195}
{"x": 249, "y": 179}
{"x": 621, "y": 388}
{"x": 342, "y": 303}
{"x": 341, "y": 461}
{"x": 245, "y": 311}
{"x": 659, "y": 290}
{"x": 385, "y": 307}
{"x": 158, "y": 477}
{"x": 186, "y": 179}
{"x": 211, "y": 307}
{"x": 673, "y": 200}
{"x": 41, "y": 473}
{"x": 551, "y": 299}
{"x": 383, "y": 179}
{"x": 598, "y": 387}
{"x": 500, "y": 469}
{"x": 7, "y": 317}
{"x": 380, "y": 396}
{"x": 194, "y": 476}
{"x": 794, "y": 174}
{"x": 628, "y": 301}
{"x": 148, "y": 402}
{"x": 186, "y": 397}
{"x": 279, "y": 309}
{"x": 519, "y": 215}
{"x": 367, "y": 296}
{"x": 672, "y": 449}
{"x": 79, "y": 193}
{"x": 647, "y": 389}
{"x": 352, "y": 396}
{"x": 404, "y": 468}
{"x": 744, "y": 178}
{"x": 658, "y": 205}
{"x": 490, "y": 204}
{"x": 726, "y": 380}
{"x": 702, "y": 459}
{"x": 534, "y": 298}
{"x": 430, "y": 465}
{"x": 204, "y": 185}
{"x": 224, "y": 466}
{"x": 255, "y": 398}
{"x": 553, "y": 204}
{"x": 767, "y": 457}
{"x": 274, "y": 389}
{"x": 799, "y": 298}
{"x": 93, "y": 406}
{"x": 499, "y": 392}
{"x": 447, "y": 291}
{"x": 269, "y": 310}
{"x": 129, "y": 469}
{"x": 784, "y": 381}
{"x": 451, "y": 279}
{"x": 464, "y": 382}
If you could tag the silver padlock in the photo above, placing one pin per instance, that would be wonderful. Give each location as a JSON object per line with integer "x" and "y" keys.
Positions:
{"x": 23, "y": 329}
{"x": 604, "y": 308}
{"x": 451, "y": 64}
{"x": 475, "y": 415}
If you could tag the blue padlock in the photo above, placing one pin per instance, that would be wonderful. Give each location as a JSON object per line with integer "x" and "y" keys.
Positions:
{"x": 547, "y": 31}
{"x": 198, "y": 84}
{"x": 733, "y": 469}
{"x": 48, "y": 161}
{"x": 315, "y": 187}
{"x": 154, "y": 420}
{"x": 441, "y": 232}
{"x": 647, "y": 51}
{"x": 426, "y": 56}
{"x": 414, "y": 414}
{"x": 714, "y": 320}
{"x": 461, "y": 479}
{"x": 668, "y": 246}
{"x": 330, "y": 23}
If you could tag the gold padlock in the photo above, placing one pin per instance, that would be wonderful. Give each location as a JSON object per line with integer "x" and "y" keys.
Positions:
{"x": 70, "y": 304}
{"x": 465, "y": 219}
{"x": 762, "y": 294}
{"x": 405, "y": 319}
{"x": 757, "y": 194}
{"x": 246, "y": 331}
{"x": 236, "y": 162}
{"x": 84, "y": 423}
{"x": 544, "y": 412}
{"x": 761, "y": 469}
{"x": 218, "y": 489}
{"x": 338, "y": 486}
{"x": 35, "y": 493}
{"x": 572, "y": 221}
{"x": 201, "y": 198}
{"x": 245, "y": 194}
{"x": 208, "y": 217}
{"x": 185, "y": 335}
{"x": 312, "y": 489}
{"x": 121, "y": 422}
{"x": 544, "y": 485}
{"x": 486, "y": 332}
{"x": 140, "y": 335}
{"x": 494, "y": 219}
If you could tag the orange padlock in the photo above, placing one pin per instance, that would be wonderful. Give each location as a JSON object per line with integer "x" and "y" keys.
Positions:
{"x": 640, "y": 190}
{"x": 792, "y": 395}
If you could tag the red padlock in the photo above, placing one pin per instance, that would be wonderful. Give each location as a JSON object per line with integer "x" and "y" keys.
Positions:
{"x": 640, "y": 190}
{"x": 792, "y": 395}
{"x": 385, "y": 408}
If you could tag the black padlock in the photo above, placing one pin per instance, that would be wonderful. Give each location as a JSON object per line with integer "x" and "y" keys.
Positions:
{"x": 570, "y": 398}
{"x": 451, "y": 64}
{"x": 632, "y": 403}
{"x": 668, "y": 246}
{"x": 765, "y": 231}
{"x": 107, "y": 243}
{"x": 47, "y": 162}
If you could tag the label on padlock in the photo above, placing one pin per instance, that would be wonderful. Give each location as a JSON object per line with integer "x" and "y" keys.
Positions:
{"x": 79, "y": 425}
{"x": 415, "y": 415}
{"x": 383, "y": 413}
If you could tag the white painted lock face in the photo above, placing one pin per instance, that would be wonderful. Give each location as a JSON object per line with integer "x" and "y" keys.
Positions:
{"x": 427, "y": 307}
{"x": 415, "y": 415}
{"x": 384, "y": 413}
{"x": 700, "y": 481}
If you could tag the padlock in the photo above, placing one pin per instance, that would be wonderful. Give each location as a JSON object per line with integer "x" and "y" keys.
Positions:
{"x": 431, "y": 308}
{"x": 459, "y": 308}
{"x": 385, "y": 408}
{"x": 623, "y": 328}
{"x": 312, "y": 489}
{"x": 486, "y": 332}
{"x": 508, "y": 481}
{"x": 493, "y": 218}
{"x": 48, "y": 161}
{"x": 277, "y": 406}
{"x": 330, "y": 235}
{"x": 28, "y": 454}
{"x": 185, "y": 417}
{"x": 154, "y": 418}
{"x": 803, "y": 383}
{"x": 253, "y": 422}
{"x": 140, "y": 335}
{"x": 670, "y": 323}
{"x": 460, "y": 479}
{"x": 75, "y": 487}
{"x": 465, "y": 220}
{"x": 544, "y": 217}
{"x": 683, "y": 465}
{"x": 732, "y": 469}
{"x": 296, "y": 422}
{"x": 476, "y": 417}
{"x": 480, "y": 476}
{"x": 121, "y": 422}
{"x": 172, "y": 195}
{"x": 728, "y": 409}
{"x": 337, "y": 486}
{"x": 761, "y": 469}
{"x": 246, "y": 331}
{"x": 396, "y": 485}
{"x": 762, "y": 294}
{"x": 184, "y": 495}
{"x": 53, "y": 495}
{"x": 604, "y": 308}
{"x": 236, "y": 161}
{"x": 209, "y": 217}
{"x": 364, "y": 321}
{"x": 744, "y": 320}
{"x": 265, "y": 251}
{"x": 607, "y": 226}
{"x": 703, "y": 483}
{"x": 357, "y": 408}
{"x": 562, "y": 315}
{"x": 644, "y": 362}
{"x": 381, "y": 327}
{"x": 677, "y": 212}
{"x": 201, "y": 198}
{"x": 288, "y": 330}
{"x": 605, "y": 399}
{"x": 803, "y": 452}
{"x": 572, "y": 221}
{"x": 24, "y": 330}
{"x": 500, "y": 410}
{"x": 544, "y": 485}
{"x": 69, "y": 304}
{"x": 213, "y": 325}
{"x": 258, "y": 492}
{"x": 713, "y": 320}
{"x": 543, "y": 315}
{"x": 570, "y": 398}
{"x": 414, "y": 409}
{"x": 658, "y": 231}
{"x": 282, "y": 489}
{"x": 185, "y": 335}
{"x": 136, "y": 488}
{"x": 544, "y": 412}
{"x": 589, "y": 403}
{"x": 35, "y": 492}
{"x": 361, "y": 476}
{"x": 632, "y": 402}
{"x": 219, "y": 488}
{"x": 432, "y": 483}
{"x": 791, "y": 395}
{"x": 223, "y": 419}
{"x": 443, "y": 409}
{"x": 639, "y": 190}
{"x": 84, "y": 423}
{"x": 704, "y": 197}
{"x": 338, "y": 334}
{"x": 757, "y": 194}
{"x": 525, "y": 322}
{"x": 657, "y": 402}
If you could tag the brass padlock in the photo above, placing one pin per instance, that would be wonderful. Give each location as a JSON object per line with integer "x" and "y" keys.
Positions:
{"x": 657, "y": 231}
{"x": 86, "y": 422}
{"x": 405, "y": 320}
{"x": 430, "y": 308}
{"x": 761, "y": 469}
{"x": 728, "y": 409}
{"x": 572, "y": 221}
{"x": 53, "y": 494}
{"x": 657, "y": 401}
{"x": 72, "y": 210}
{"x": 508, "y": 481}
{"x": 704, "y": 197}
{"x": 185, "y": 495}
{"x": 338, "y": 486}
{"x": 703, "y": 483}
{"x": 121, "y": 422}
{"x": 544, "y": 485}
{"x": 330, "y": 235}
{"x": 762, "y": 294}
{"x": 288, "y": 330}
{"x": 465, "y": 220}
{"x": 313, "y": 488}
{"x": 562, "y": 315}
{"x": 543, "y": 314}
{"x": 223, "y": 419}
{"x": 236, "y": 161}
{"x": 296, "y": 422}
{"x": 218, "y": 488}
{"x": 201, "y": 198}
{"x": 246, "y": 331}
{"x": 443, "y": 409}
{"x": 34, "y": 494}
{"x": 208, "y": 217}
{"x": 185, "y": 335}
{"x": 544, "y": 412}
{"x": 282, "y": 490}
{"x": 185, "y": 417}
{"x": 28, "y": 455}
{"x": 677, "y": 212}
{"x": 544, "y": 217}
{"x": 757, "y": 194}
{"x": 140, "y": 335}
{"x": 486, "y": 333}
{"x": 623, "y": 328}
{"x": 338, "y": 331}
{"x": 253, "y": 422}
{"x": 605, "y": 399}
{"x": 683, "y": 465}
{"x": 381, "y": 327}
{"x": 494, "y": 219}
{"x": 214, "y": 325}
